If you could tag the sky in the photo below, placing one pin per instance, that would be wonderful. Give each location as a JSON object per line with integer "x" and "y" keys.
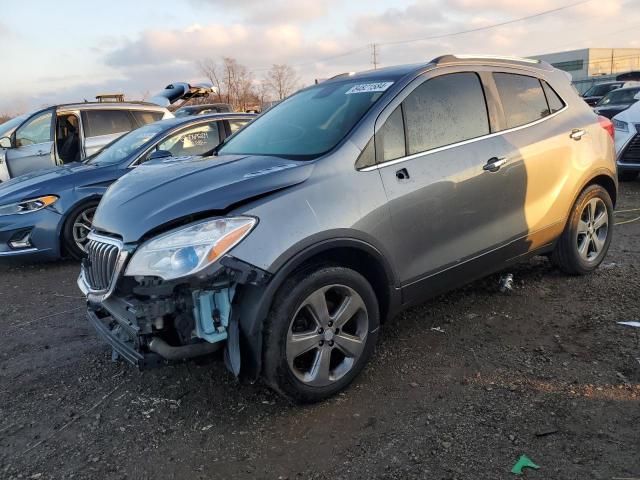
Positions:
{"x": 70, "y": 50}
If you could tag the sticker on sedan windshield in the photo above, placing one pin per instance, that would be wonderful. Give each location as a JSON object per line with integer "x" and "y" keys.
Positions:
{"x": 369, "y": 87}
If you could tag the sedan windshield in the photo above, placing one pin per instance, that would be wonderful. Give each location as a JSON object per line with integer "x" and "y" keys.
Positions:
{"x": 119, "y": 150}
{"x": 309, "y": 123}
{"x": 623, "y": 96}
{"x": 600, "y": 90}
{"x": 9, "y": 126}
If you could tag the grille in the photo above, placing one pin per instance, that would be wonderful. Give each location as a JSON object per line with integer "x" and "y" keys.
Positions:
{"x": 631, "y": 153}
{"x": 101, "y": 265}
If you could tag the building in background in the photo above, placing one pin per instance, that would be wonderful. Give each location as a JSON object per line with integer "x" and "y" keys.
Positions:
{"x": 593, "y": 65}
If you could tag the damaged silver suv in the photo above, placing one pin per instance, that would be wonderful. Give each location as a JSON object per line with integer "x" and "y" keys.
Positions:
{"x": 290, "y": 244}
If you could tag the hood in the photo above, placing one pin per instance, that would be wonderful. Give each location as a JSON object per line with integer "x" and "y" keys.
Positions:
{"x": 48, "y": 182}
{"x": 631, "y": 114}
{"x": 163, "y": 192}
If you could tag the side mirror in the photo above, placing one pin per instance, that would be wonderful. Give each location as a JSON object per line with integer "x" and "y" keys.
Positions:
{"x": 160, "y": 154}
{"x": 5, "y": 142}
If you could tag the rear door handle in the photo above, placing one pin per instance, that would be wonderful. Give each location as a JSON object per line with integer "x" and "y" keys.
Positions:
{"x": 577, "y": 134}
{"x": 494, "y": 164}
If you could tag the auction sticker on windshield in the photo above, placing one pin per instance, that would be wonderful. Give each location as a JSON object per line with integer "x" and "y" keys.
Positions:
{"x": 369, "y": 87}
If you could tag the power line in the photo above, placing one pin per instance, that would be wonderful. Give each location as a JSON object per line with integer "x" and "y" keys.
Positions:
{"x": 435, "y": 37}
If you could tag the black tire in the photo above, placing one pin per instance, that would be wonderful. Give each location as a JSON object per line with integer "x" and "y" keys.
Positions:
{"x": 566, "y": 253}
{"x": 627, "y": 176}
{"x": 68, "y": 242}
{"x": 286, "y": 308}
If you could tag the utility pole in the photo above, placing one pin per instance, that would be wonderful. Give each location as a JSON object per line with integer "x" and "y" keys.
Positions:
{"x": 374, "y": 55}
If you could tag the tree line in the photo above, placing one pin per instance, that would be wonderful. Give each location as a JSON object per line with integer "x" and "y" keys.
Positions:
{"x": 236, "y": 84}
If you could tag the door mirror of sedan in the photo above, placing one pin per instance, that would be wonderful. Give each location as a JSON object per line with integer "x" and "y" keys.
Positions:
{"x": 5, "y": 142}
{"x": 160, "y": 154}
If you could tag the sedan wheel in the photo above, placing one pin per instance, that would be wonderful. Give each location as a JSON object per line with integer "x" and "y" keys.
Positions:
{"x": 82, "y": 225}
{"x": 327, "y": 335}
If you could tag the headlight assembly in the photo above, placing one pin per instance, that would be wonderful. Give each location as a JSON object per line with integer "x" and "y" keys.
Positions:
{"x": 190, "y": 249}
{"x": 620, "y": 125}
{"x": 28, "y": 206}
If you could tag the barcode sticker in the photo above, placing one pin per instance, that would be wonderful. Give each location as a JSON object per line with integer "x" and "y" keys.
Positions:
{"x": 369, "y": 87}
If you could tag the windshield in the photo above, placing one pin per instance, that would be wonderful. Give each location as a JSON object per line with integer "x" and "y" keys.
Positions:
{"x": 625, "y": 95}
{"x": 310, "y": 123}
{"x": 600, "y": 90}
{"x": 124, "y": 146}
{"x": 9, "y": 126}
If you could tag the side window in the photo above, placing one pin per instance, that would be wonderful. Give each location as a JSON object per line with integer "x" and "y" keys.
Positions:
{"x": 37, "y": 130}
{"x": 143, "y": 118}
{"x": 444, "y": 110}
{"x": 106, "y": 122}
{"x": 192, "y": 141}
{"x": 522, "y": 98}
{"x": 236, "y": 125}
{"x": 391, "y": 136}
{"x": 555, "y": 102}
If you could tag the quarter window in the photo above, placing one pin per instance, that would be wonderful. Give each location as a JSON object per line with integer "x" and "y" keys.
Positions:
{"x": 522, "y": 97}
{"x": 392, "y": 136}
{"x": 445, "y": 110}
{"x": 555, "y": 102}
{"x": 35, "y": 131}
{"x": 106, "y": 122}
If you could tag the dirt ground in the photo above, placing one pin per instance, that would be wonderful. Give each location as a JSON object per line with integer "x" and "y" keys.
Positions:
{"x": 460, "y": 387}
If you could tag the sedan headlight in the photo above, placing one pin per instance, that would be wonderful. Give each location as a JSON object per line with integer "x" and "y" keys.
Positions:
{"x": 28, "y": 206}
{"x": 620, "y": 125}
{"x": 190, "y": 249}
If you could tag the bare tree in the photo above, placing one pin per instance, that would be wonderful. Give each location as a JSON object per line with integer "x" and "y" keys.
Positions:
{"x": 282, "y": 80}
{"x": 209, "y": 69}
{"x": 233, "y": 80}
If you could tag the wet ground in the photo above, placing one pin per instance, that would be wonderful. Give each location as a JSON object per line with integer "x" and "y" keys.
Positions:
{"x": 460, "y": 388}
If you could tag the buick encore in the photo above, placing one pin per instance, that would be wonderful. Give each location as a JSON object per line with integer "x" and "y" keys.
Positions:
{"x": 291, "y": 243}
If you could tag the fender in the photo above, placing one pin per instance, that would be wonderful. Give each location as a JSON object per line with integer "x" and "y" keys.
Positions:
{"x": 254, "y": 301}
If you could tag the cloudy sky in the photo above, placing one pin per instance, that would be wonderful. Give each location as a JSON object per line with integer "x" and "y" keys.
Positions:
{"x": 75, "y": 50}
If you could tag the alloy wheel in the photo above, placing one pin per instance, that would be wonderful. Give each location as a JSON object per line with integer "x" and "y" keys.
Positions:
{"x": 327, "y": 335}
{"x": 593, "y": 228}
{"x": 82, "y": 226}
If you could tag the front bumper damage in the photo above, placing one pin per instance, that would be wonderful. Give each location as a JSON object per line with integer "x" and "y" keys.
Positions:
{"x": 149, "y": 322}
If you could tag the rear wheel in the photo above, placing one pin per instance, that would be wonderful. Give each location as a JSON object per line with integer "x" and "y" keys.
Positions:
{"x": 320, "y": 333}
{"x": 627, "y": 176}
{"x": 77, "y": 228}
{"x": 587, "y": 235}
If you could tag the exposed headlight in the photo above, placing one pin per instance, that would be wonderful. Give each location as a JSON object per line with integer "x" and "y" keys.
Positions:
{"x": 620, "y": 125}
{"x": 190, "y": 249}
{"x": 27, "y": 206}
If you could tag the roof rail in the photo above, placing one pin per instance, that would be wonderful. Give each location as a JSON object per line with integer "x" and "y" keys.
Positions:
{"x": 453, "y": 59}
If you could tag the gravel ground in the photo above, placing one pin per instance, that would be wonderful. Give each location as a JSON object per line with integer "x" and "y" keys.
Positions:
{"x": 460, "y": 387}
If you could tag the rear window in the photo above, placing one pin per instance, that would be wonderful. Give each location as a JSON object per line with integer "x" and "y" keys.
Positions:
{"x": 145, "y": 117}
{"x": 106, "y": 122}
{"x": 522, "y": 98}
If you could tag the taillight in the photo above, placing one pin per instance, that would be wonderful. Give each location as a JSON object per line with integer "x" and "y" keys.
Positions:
{"x": 607, "y": 125}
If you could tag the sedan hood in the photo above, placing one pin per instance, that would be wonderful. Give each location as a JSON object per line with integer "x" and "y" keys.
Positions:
{"x": 160, "y": 193}
{"x": 44, "y": 182}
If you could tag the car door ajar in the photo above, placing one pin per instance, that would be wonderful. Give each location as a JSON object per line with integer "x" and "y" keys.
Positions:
{"x": 32, "y": 147}
{"x": 443, "y": 182}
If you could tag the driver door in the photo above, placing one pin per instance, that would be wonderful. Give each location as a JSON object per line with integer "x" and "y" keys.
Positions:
{"x": 32, "y": 145}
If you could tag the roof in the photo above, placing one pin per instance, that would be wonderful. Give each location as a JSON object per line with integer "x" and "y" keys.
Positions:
{"x": 176, "y": 121}
{"x": 399, "y": 71}
{"x": 204, "y": 106}
{"x": 111, "y": 106}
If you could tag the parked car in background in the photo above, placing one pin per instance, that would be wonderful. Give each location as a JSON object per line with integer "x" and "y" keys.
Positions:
{"x": 67, "y": 133}
{"x": 340, "y": 206}
{"x": 48, "y": 214}
{"x": 627, "y": 127}
{"x": 203, "y": 109}
{"x": 599, "y": 90}
{"x": 617, "y": 101}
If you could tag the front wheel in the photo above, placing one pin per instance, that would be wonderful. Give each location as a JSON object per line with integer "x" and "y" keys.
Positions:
{"x": 587, "y": 236}
{"x": 77, "y": 228}
{"x": 320, "y": 333}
